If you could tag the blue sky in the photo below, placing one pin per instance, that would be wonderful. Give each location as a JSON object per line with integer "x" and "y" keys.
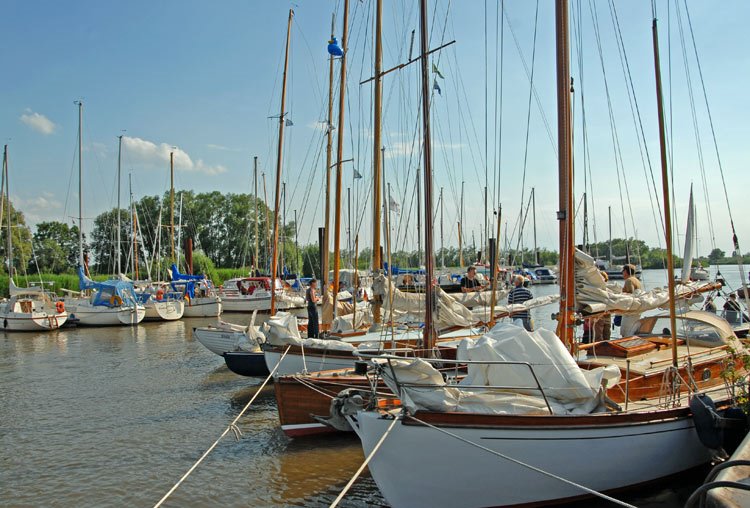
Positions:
{"x": 205, "y": 77}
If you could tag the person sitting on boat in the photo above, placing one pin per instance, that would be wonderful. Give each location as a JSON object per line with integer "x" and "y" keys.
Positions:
{"x": 733, "y": 311}
{"x": 469, "y": 282}
{"x": 312, "y": 299}
{"x": 709, "y": 305}
{"x": 520, "y": 294}
{"x": 631, "y": 285}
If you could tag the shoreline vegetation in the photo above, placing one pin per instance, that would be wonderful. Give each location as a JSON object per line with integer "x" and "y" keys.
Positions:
{"x": 222, "y": 229}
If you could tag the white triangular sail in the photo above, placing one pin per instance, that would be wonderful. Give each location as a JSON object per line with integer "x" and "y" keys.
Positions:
{"x": 689, "y": 235}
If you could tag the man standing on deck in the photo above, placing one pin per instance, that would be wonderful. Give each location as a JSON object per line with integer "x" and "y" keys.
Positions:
{"x": 312, "y": 310}
{"x": 520, "y": 294}
{"x": 632, "y": 284}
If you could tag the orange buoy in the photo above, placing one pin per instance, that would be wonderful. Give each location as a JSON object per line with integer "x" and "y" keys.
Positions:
{"x": 60, "y": 307}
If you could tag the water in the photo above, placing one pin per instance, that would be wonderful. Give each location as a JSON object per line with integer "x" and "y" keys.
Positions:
{"x": 115, "y": 416}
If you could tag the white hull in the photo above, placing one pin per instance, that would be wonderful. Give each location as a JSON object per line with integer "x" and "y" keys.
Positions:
{"x": 90, "y": 315}
{"x": 204, "y": 306}
{"x": 412, "y": 460}
{"x": 167, "y": 310}
{"x": 218, "y": 341}
{"x": 249, "y": 304}
{"x": 31, "y": 322}
{"x": 294, "y": 363}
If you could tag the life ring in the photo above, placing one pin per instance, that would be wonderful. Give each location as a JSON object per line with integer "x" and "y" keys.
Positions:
{"x": 115, "y": 301}
{"x": 60, "y": 307}
{"x": 159, "y": 295}
{"x": 188, "y": 300}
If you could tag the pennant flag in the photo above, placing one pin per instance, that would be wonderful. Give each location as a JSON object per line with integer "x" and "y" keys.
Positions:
{"x": 356, "y": 174}
{"x": 437, "y": 71}
{"x": 393, "y": 205}
{"x": 435, "y": 86}
{"x": 288, "y": 122}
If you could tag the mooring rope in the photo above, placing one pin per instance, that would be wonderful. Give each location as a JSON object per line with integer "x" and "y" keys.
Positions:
{"x": 523, "y": 464}
{"x": 364, "y": 464}
{"x": 232, "y": 426}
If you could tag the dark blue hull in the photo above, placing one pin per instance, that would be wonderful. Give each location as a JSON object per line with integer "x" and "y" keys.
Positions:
{"x": 246, "y": 364}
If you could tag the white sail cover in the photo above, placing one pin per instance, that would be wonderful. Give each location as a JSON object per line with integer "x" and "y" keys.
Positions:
{"x": 282, "y": 330}
{"x": 568, "y": 388}
{"x": 593, "y": 295}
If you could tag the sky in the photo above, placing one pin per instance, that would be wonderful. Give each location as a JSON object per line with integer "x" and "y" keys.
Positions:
{"x": 202, "y": 79}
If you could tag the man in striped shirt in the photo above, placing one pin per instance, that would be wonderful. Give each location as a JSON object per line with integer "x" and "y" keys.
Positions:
{"x": 520, "y": 294}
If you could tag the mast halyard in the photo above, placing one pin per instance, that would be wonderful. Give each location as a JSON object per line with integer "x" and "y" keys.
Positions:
{"x": 279, "y": 161}
{"x": 325, "y": 254}
{"x": 429, "y": 331}
{"x": 565, "y": 215}
{"x": 377, "y": 262}
{"x": 665, "y": 189}
{"x": 340, "y": 157}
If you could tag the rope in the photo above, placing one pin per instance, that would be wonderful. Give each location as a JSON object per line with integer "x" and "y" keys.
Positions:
{"x": 528, "y": 466}
{"x": 364, "y": 464}
{"x": 232, "y": 426}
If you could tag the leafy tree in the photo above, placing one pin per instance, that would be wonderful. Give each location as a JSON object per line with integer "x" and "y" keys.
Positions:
{"x": 21, "y": 239}
{"x": 56, "y": 247}
{"x": 104, "y": 239}
{"x": 716, "y": 255}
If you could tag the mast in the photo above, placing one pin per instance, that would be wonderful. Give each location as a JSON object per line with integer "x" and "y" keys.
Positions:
{"x": 283, "y": 227}
{"x": 80, "y": 184}
{"x": 339, "y": 158}
{"x": 135, "y": 229}
{"x": 429, "y": 331}
{"x": 349, "y": 223}
{"x": 609, "y": 211}
{"x": 585, "y": 222}
{"x": 7, "y": 203}
{"x": 297, "y": 268}
{"x": 274, "y": 259}
{"x": 460, "y": 227}
{"x": 533, "y": 216}
{"x": 255, "y": 195}
{"x": 377, "y": 160}
{"x": 665, "y": 189}
{"x": 419, "y": 220}
{"x": 171, "y": 201}
{"x": 268, "y": 219}
{"x": 565, "y": 215}
{"x": 442, "y": 247}
{"x": 329, "y": 164}
{"x": 119, "y": 165}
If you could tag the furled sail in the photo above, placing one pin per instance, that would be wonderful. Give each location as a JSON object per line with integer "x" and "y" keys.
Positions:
{"x": 689, "y": 235}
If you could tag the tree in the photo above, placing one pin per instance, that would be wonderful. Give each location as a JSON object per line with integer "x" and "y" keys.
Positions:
{"x": 21, "y": 236}
{"x": 104, "y": 239}
{"x": 716, "y": 255}
{"x": 56, "y": 247}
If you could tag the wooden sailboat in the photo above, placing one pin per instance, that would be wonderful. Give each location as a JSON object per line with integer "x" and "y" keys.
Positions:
{"x": 501, "y": 456}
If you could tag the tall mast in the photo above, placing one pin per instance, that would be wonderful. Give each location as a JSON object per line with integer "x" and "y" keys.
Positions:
{"x": 665, "y": 189}
{"x": 533, "y": 217}
{"x": 565, "y": 215}
{"x": 442, "y": 246}
{"x": 429, "y": 331}
{"x": 255, "y": 195}
{"x": 419, "y": 219}
{"x": 460, "y": 228}
{"x": 339, "y": 158}
{"x": 297, "y": 268}
{"x": 171, "y": 201}
{"x": 283, "y": 226}
{"x": 135, "y": 229}
{"x": 585, "y": 222}
{"x": 377, "y": 160}
{"x": 274, "y": 259}
{"x": 609, "y": 210}
{"x": 118, "y": 249}
{"x": 7, "y": 204}
{"x": 80, "y": 184}
{"x": 268, "y": 220}
{"x": 329, "y": 164}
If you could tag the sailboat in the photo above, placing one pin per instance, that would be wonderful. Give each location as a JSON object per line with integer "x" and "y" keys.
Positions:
{"x": 27, "y": 309}
{"x": 527, "y": 424}
{"x": 111, "y": 302}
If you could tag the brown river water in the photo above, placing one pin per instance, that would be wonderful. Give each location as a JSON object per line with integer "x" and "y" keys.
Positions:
{"x": 115, "y": 416}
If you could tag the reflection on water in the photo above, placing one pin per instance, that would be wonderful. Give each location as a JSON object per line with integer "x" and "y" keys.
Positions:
{"x": 114, "y": 416}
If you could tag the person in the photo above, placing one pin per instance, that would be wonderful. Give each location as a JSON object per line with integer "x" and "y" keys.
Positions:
{"x": 469, "y": 282}
{"x": 709, "y": 305}
{"x": 600, "y": 327}
{"x": 312, "y": 310}
{"x": 520, "y": 294}
{"x": 733, "y": 310}
{"x": 631, "y": 285}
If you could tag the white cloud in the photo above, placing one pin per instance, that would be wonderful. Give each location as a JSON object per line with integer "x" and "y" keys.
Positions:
{"x": 38, "y": 122}
{"x": 39, "y": 208}
{"x": 149, "y": 153}
{"x": 222, "y": 148}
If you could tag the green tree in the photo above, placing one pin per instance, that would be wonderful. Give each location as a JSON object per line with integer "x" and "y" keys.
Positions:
{"x": 716, "y": 255}
{"x": 56, "y": 247}
{"x": 104, "y": 240}
{"x": 21, "y": 239}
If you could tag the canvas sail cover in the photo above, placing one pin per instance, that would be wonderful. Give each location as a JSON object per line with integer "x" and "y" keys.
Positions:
{"x": 568, "y": 388}
{"x": 282, "y": 330}
{"x": 593, "y": 295}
